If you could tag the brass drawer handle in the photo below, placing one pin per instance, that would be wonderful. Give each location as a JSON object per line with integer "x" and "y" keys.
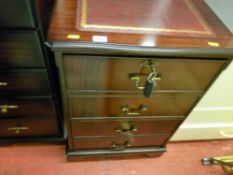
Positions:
{"x": 17, "y": 130}
{"x": 120, "y": 147}
{"x": 3, "y": 83}
{"x": 131, "y": 130}
{"x": 152, "y": 76}
{"x": 5, "y": 108}
{"x": 134, "y": 112}
{"x": 136, "y": 79}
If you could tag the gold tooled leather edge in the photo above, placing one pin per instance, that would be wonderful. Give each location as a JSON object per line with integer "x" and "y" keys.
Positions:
{"x": 85, "y": 25}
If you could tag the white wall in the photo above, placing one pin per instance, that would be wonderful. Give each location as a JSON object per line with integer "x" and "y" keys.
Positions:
{"x": 212, "y": 118}
{"x": 224, "y": 10}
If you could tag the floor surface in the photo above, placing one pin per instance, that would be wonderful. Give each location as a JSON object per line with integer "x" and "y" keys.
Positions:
{"x": 181, "y": 159}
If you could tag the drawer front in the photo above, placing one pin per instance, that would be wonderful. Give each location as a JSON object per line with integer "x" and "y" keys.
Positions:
{"x": 107, "y": 73}
{"x": 108, "y": 106}
{"x": 16, "y": 14}
{"x": 28, "y": 127}
{"x": 118, "y": 143}
{"x": 20, "y": 49}
{"x": 126, "y": 127}
{"x": 24, "y": 82}
{"x": 27, "y": 107}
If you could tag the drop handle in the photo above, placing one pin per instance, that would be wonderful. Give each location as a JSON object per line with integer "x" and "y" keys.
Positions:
{"x": 137, "y": 80}
{"x": 131, "y": 130}
{"x": 3, "y": 83}
{"x": 5, "y": 108}
{"x": 18, "y": 129}
{"x": 134, "y": 112}
{"x": 120, "y": 147}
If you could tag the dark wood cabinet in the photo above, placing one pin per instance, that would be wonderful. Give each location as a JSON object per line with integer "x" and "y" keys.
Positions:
{"x": 21, "y": 49}
{"x": 29, "y": 106}
{"x": 18, "y": 82}
{"x": 14, "y": 14}
{"x": 129, "y": 78}
{"x": 28, "y": 127}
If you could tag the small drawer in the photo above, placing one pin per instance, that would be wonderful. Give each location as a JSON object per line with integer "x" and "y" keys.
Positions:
{"x": 20, "y": 49}
{"x": 125, "y": 74}
{"x": 24, "y": 82}
{"x": 28, "y": 127}
{"x": 16, "y": 14}
{"x": 113, "y": 106}
{"x": 124, "y": 127}
{"x": 119, "y": 143}
{"x": 27, "y": 107}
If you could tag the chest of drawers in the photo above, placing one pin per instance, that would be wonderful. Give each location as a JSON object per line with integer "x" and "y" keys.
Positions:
{"x": 28, "y": 99}
{"x": 104, "y": 64}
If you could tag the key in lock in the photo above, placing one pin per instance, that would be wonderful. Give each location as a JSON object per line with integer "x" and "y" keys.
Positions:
{"x": 150, "y": 83}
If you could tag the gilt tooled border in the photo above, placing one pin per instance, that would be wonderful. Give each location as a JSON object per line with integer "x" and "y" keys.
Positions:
{"x": 85, "y": 25}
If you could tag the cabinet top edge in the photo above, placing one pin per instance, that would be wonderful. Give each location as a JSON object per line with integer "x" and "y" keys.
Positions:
{"x": 123, "y": 50}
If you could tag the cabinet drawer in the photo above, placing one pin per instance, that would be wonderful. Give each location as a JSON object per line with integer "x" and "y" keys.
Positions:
{"x": 27, "y": 107}
{"x": 118, "y": 143}
{"x": 20, "y": 49}
{"x": 16, "y": 14}
{"x": 24, "y": 82}
{"x": 109, "y": 73}
{"x": 126, "y": 127}
{"x": 28, "y": 127}
{"x": 113, "y": 106}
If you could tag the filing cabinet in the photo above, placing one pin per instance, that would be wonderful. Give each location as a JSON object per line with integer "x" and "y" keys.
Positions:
{"x": 28, "y": 98}
{"x": 129, "y": 78}
{"x": 111, "y": 117}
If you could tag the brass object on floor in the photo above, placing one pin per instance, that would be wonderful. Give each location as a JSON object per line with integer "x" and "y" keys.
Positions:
{"x": 226, "y": 163}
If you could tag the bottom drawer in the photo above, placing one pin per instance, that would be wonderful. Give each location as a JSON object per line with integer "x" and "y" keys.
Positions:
{"x": 119, "y": 143}
{"x": 28, "y": 127}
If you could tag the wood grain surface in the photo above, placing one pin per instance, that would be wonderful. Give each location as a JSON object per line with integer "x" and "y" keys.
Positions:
{"x": 128, "y": 126}
{"x": 63, "y": 28}
{"x": 113, "y": 73}
{"x": 111, "y": 106}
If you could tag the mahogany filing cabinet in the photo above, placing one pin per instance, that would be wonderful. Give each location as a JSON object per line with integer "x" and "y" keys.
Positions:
{"x": 131, "y": 71}
{"x": 28, "y": 100}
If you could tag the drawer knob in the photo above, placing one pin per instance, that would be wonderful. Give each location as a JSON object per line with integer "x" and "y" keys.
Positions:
{"x": 5, "y": 108}
{"x": 17, "y": 130}
{"x": 134, "y": 112}
{"x": 120, "y": 147}
{"x": 3, "y": 83}
{"x": 131, "y": 130}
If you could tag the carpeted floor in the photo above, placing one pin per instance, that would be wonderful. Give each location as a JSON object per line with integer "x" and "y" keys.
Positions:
{"x": 181, "y": 159}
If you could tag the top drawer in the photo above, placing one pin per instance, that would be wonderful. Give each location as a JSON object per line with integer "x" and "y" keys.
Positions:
{"x": 16, "y": 14}
{"x": 20, "y": 49}
{"x": 109, "y": 73}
